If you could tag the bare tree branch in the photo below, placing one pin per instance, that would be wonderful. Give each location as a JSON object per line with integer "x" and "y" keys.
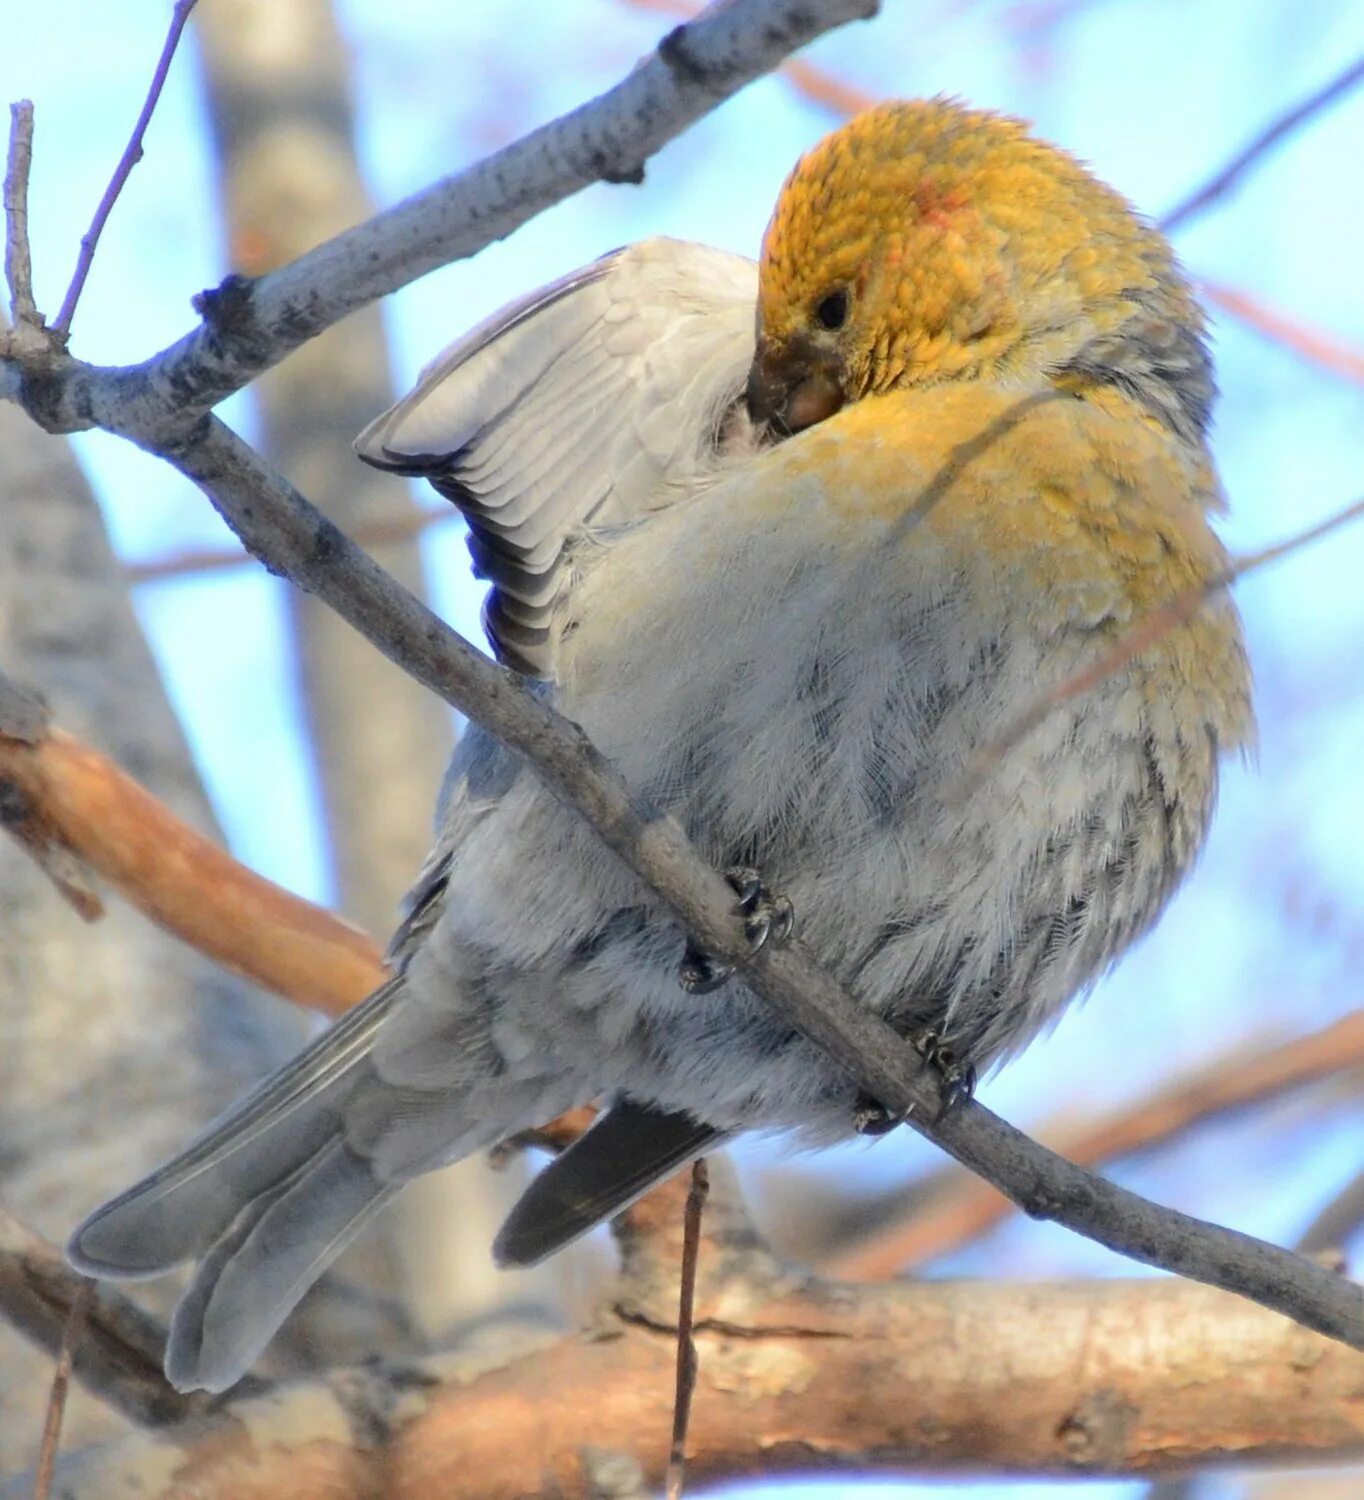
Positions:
{"x": 251, "y": 325}
{"x": 75, "y": 809}
{"x": 1087, "y": 1378}
{"x": 1278, "y": 130}
{"x": 684, "y": 1383}
{"x": 1337, "y": 1220}
{"x": 132, "y": 154}
{"x": 18, "y": 258}
{"x": 948, "y": 1213}
{"x": 816, "y": 84}
{"x": 61, "y": 1384}
{"x": 1319, "y": 345}
{"x": 371, "y": 535}
{"x": 120, "y": 1351}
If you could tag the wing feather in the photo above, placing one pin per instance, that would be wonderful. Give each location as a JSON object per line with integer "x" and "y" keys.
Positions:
{"x": 579, "y": 407}
{"x": 631, "y": 1147}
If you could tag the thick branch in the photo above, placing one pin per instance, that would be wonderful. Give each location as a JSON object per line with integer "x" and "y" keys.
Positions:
{"x": 251, "y": 325}
{"x": 1100, "y": 1377}
{"x": 63, "y": 797}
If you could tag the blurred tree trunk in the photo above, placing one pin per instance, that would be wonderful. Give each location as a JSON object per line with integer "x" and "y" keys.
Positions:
{"x": 117, "y": 1043}
{"x": 279, "y": 97}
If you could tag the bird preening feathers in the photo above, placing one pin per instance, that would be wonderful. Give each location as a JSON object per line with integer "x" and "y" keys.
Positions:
{"x": 792, "y": 542}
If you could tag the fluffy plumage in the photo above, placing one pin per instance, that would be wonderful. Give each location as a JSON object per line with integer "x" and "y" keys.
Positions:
{"x": 997, "y": 386}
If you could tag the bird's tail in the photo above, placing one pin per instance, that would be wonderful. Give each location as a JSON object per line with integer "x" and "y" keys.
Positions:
{"x": 263, "y": 1209}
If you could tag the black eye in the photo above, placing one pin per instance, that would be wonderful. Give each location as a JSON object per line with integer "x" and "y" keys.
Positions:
{"x": 832, "y": 312}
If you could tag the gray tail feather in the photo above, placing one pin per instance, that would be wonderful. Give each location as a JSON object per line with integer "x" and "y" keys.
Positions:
{"x": 253, "y": 1276}
{"x": 265, "y": 1199}
{"x": 194, "y": 1200}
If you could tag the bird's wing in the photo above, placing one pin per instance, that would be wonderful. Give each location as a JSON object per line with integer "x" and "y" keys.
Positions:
{"x": 581, "y": 406}
{"x": 628, "y": 1150}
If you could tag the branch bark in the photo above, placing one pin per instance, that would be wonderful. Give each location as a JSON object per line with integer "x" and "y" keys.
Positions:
{"x": 1092, "y": 1378}
{"x": 119, "y": 1356}
{"x": 59, "y": 792}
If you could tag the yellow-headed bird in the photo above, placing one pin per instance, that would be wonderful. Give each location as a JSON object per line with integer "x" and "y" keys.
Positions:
{"x": 792, "y": 583}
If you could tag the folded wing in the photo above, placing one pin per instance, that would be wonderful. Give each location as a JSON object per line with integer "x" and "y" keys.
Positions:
{"x": 575, "y": 410}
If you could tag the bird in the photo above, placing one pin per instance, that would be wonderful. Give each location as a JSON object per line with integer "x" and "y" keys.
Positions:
{"x": 794, "y": 542}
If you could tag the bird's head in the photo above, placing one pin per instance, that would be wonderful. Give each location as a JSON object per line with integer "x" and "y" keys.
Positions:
{"x": 924, "y": 242}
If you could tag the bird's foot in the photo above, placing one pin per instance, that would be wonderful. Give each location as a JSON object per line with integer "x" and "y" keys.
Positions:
{"x": 956, "y": 1081}
{"x": 956, "y": 1076}
{"x": 872, "y": 1118}
{"x": 767, "y": 919}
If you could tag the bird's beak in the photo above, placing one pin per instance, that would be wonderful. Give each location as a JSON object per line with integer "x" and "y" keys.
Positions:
{"x": 792, "y": 386}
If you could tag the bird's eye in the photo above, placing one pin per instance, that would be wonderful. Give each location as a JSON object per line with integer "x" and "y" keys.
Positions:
{"x": 832, "y": 311}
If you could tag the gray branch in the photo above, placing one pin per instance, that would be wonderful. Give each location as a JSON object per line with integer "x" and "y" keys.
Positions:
{"x": 250, "y": 326}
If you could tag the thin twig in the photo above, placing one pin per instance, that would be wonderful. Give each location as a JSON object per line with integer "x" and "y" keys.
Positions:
{"x": 119, "y": 1357}
{"x": 1201, "y": 199}
{"x": 370, "y": 535}
{"x": 1337, "y": 1221}
{"x": 954, "y": 1208}
{"x": 61, "y": 1384}
{"x": 1319, "y": 345}
{"x": 1150, "y": 629}
{"x": 132, "y": 154}
{"x": 685, "y": 1386}
{"x": 18, "y": 258}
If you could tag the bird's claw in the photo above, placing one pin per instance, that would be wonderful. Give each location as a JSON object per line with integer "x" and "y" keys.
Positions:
{"x": 767, "y": 919}
{"x": 956, "y": 1081}
{"x": 699, "y": 973}
{"x": 956, "y": 1076}
{"x": 872, "y": 1118}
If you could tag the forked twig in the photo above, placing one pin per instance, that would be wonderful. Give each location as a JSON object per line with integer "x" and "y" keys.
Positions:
{"x": 686, "y": 1344}
{"x": 132, "y": 154}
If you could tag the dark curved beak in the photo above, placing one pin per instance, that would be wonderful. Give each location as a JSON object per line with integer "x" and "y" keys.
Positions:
{"x": 792, "y": 387}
